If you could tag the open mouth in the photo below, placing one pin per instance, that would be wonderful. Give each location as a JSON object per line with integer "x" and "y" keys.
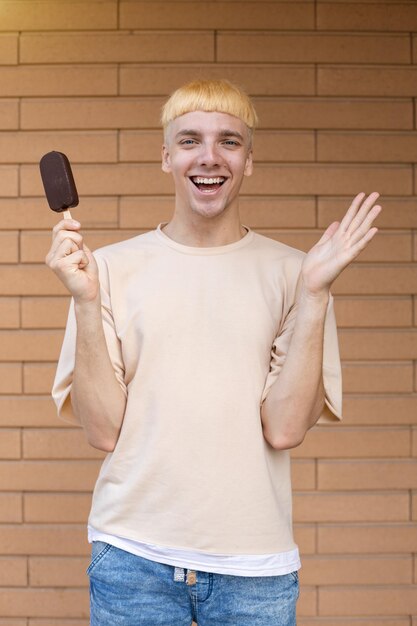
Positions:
{"x": 208, "y": 185}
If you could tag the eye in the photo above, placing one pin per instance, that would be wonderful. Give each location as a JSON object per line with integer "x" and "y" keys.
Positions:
{"x": 231, "y": 142}
{"x": 187, "y": 142}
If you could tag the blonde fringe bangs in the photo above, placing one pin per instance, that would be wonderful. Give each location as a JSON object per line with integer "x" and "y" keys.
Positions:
{"x": 210, "y": 95}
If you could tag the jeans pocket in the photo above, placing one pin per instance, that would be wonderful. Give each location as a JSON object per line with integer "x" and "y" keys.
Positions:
{"x": 99, "y": 549}
{"x": 294, "y": 575}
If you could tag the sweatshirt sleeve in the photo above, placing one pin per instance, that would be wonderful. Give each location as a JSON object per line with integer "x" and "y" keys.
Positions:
{"x": 332, "y": 374}
{"x": 64, "y": 374}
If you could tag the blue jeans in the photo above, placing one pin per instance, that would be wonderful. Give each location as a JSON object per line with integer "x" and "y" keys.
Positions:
{"x": 128, "y": 590}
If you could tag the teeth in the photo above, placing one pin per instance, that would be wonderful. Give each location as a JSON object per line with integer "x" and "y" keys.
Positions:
{"x": 208, "y": 181}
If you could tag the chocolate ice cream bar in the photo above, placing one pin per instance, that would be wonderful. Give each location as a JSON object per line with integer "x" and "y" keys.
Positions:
{"x": 58, "y": 182}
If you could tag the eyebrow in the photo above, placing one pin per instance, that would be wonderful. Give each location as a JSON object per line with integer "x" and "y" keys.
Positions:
{"x": 196, "y": 133}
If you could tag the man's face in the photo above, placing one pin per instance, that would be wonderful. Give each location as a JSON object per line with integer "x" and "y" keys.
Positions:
{"x": 207, "y": 146}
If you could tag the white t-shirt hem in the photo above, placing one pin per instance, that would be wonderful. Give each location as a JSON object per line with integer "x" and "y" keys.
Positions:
{"x": 236, "y": 565}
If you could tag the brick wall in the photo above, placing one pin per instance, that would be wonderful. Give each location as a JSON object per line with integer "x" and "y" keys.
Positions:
{"x": 334, "y": 84}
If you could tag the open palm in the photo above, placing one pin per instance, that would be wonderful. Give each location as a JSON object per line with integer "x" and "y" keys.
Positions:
{"x": 340, "y": 244}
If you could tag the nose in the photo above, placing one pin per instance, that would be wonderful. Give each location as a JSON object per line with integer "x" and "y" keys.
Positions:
{"x": 209, "y": 155}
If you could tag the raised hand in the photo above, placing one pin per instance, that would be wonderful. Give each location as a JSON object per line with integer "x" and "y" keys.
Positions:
{"x": 340, "y": 244}
{"x": 73, "y": 262}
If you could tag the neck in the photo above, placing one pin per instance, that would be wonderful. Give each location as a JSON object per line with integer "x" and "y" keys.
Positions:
{"x": 205, "y": 234}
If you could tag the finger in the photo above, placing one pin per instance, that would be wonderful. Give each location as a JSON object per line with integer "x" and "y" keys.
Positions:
{"x": 363, "y": 242}
{"x": 329, "y": 232}
{"x": 75, "y": 260}
{"x": 69, "y": 235}
{"x": 352, "y": 210}
{"x": 363, "y": 228}
{"x": 363, "y": 212}
{"x": 65, "y": 249}
{"x": 65, "y": 225}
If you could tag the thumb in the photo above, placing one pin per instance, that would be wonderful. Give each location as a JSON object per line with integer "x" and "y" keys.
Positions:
{"x": 90, "y": 256}
{"x": 329, "y": 232}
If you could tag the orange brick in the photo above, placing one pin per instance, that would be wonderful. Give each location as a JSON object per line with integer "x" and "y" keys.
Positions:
{"x": 9, "y": 247}
{"x": 378, "y": 344}
{"x": 170, "y": 15}
{"x": 13, "y": 572}
{"x": 10, "y": 378}
{"x": 414, "y": 441}
{"x": 65, "y": 443}
{"x": 357, "y": 16}
{"x": 334, "y": 113}
{"x": 28, "y": 147}
{"x": 367, "y": 538}
{"x": 35, "y": 15}
{"x": 377, "y": 378}
{"x": 353, "y": 442}
{"x": 45, "y": 312}
{"x": 350, "y": 570}
{"x": 27, "y": 539}
{"x": 106, "y": 179}
{"x": 380, "y": 147}
{"x": 278, "y": 212}
{"x": 64, "y": 508}
{"x": 283, "y": 146}
{"x": 116, "y": 47}
{"x": 396, "y": 213}
{"x": 414, "y": 512}
{"x": 66, "y": 80}
{"x": 48, "y": 475}
{"x": 367, "y": 474}
{"x": 379, "y": 280}
{"x": 351, "y": 507}
{"x": 307, "y": 602}
{"x": 43, "y": 602}
{"x": 303, "y": 474}
{"x": 373, "y": 311}
{"x": 58, "y": 571}
{"x": 30, "y": 345}
{"x": 382, "y": 409}
{"x": 10, "y": 507}
{"x": 8, "y": 49}
{"x": 10, "y": 444}
{"x": 9, "y": 313}
{"x": 305, "y": 537}
{"x": 34, "y": 245}
{"x": 386, "y": 247}
{"x": 30, "y": 280}
{"x": 38, "y": 377}
{"x": 261, "y": 80}
{"x": 327, "y": 179}
{"x": 8, "y": 180}
{"x": 312, "y": 48}
{"x": 81, "y": 622}
{"x": 148, "y": 212}
{"x": 368, "y": 601}
{"x": 340, "y": 621}
{"x": 9, "y": 114}
{"x": 27, "y": 213}
{"x": 366, "y": 81}
{"x": 32, "y": 411}
{"x": 140, "y": 145}
{"x": 90, "y": 113}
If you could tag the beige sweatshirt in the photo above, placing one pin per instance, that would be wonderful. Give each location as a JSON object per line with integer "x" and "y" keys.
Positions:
{"x": 197, "y": 336}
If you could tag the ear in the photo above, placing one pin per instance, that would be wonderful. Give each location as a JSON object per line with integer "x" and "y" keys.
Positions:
{"x": 166, "y": 159}
{"x": 249, "y": 164}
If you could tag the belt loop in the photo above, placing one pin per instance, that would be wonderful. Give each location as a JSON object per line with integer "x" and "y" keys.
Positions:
{"x": 179, "y": 574}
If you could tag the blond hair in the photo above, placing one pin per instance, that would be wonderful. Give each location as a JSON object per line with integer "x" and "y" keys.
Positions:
{"x": 210, "y": 95}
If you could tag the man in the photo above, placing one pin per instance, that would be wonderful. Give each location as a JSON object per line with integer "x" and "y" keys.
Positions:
{"x": 197, "y": 355}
